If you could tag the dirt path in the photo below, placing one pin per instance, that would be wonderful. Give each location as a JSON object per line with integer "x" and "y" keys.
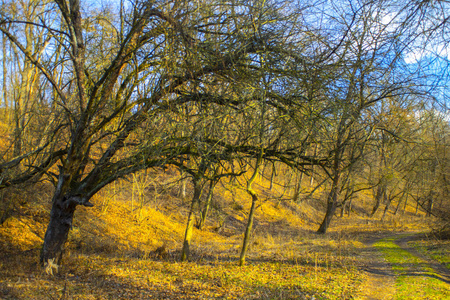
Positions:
{"x": 380, "y": 283}
{"x": 380, "y": 276}
{"x": 442, "y": 273}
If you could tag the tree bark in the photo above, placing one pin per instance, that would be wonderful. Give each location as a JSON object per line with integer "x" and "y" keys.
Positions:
{"x": 248, "y": 229}
{"x": 251, "y": 215}
{"x": 61, "y": 217}
{"x": 204, "y": 214}
{"x": 332, "y": 200}
{"x": 349, "y": 207}
{"x": 272, "y": 177}
{"x": 388, "y": 201}
{"x": 4, "y": 78}
{"x": 430, "y": 204}
{"x": 297, "y": 188}
{"x": 191, "y": 220}
{"x": 378, "y": 196}
{"x": 331, "y": 209}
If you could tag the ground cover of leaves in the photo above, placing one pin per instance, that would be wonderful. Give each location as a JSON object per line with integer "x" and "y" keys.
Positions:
{"x": 108, "y": 277}
{"x": 122, "y": 250}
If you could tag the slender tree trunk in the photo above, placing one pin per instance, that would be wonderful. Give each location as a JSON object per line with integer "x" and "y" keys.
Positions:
{"x": 346, "y": 203}
{"x": 298, "y": 186}
{"x": 430, "y": 205}
{"x": 406, "y": 203}
{"x": 272, "y": 176}
{"x": 378, "y": 197}
{"x": 248, "y": 229}
{"x": 17, "y": 130}
{"x": 191, "y": 220}
{"x": 388, "y": 205}
{"x": 182, "y": 192}
{"x": 397, "y": 209}
{"x": 311, "y": 182}
{"x": 349, "y": 207}
{"x": 381, "y": 188}
{"x": 4, "y": 77}
{"x": 332, "y": 200}
{"x": 212, "y": 185}
{"x": 251, "y": 215}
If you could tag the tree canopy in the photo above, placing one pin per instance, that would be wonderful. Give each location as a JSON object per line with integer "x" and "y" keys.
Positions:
{"x": 93, "y": 93}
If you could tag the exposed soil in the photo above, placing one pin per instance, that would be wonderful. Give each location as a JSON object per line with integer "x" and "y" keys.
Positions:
{"x": 380, "y": 277}
{"x": 442, "y": 273}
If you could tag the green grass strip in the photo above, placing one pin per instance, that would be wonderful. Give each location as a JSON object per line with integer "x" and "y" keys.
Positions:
{"x": 437, "y": 250}
{"x": 415, "y": 278}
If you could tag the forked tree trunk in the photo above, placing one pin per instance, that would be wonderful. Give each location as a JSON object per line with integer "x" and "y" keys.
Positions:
{"x": 400, "y": 201}
{"x": 406, "y": 203}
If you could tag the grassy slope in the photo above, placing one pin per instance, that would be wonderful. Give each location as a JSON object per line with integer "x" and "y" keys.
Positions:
{"x": 122, "y": 250}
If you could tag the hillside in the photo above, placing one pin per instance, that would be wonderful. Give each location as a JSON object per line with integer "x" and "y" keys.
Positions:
{"x": 128, "y": 245}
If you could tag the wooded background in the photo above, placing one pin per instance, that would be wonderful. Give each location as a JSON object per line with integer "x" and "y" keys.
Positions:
{"x": 347, "y": 95}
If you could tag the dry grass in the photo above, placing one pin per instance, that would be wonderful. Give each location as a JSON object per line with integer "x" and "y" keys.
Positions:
{"x": 123, "y": 250}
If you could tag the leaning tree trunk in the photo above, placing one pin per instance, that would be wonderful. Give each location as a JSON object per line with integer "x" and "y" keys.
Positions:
{"x": 191, "y": 220}
{"x": 58, "y": 229}
{"x": 248, "y": 229}
{"x": 61, "y": 217}
{"x": 204, "y": 213}
{"x": 378, "y": 196}
{"x": 331, "y": 205}
{"x": 331, "y": 209}
{"x": 251, "y": 215}
{"x": 388, "y": 201}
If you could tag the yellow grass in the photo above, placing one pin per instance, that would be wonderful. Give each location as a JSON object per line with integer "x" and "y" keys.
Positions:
{"x": 121, "y": 250}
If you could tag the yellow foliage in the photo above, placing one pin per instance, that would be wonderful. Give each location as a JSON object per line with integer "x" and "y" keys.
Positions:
{"x": 22, "y": 233}
{"x": 113, "y": 249}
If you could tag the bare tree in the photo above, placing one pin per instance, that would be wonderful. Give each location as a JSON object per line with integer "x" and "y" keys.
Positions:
{"x": 113, "y": 95}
